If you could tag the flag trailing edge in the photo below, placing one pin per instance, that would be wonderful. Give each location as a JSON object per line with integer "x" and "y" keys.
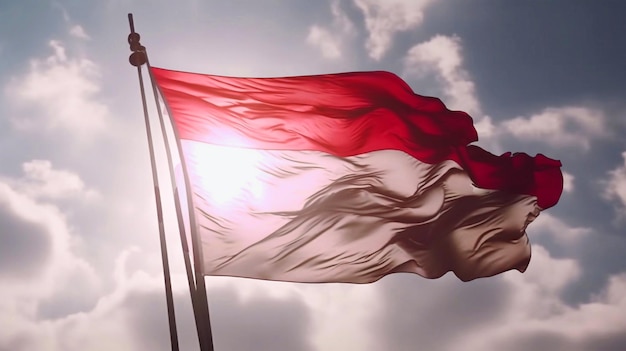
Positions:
{"x": 347, "y": 178}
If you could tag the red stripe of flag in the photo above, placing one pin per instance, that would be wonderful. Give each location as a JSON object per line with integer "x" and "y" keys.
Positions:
{"x": 346, "y": 114}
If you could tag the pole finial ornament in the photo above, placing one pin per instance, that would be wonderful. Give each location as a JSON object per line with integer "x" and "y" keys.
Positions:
{"x": 138, "y": 57}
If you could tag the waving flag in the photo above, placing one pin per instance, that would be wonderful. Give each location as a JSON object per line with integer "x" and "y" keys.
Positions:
{"x": 347, "y": 178}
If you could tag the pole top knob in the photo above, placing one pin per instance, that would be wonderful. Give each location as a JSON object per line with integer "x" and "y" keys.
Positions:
{"x": 138, "y": 58}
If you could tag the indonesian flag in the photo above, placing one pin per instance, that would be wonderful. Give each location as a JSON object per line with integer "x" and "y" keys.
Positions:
{"x": 347, "y": 178}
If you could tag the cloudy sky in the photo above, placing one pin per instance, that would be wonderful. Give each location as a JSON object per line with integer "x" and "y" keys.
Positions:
{"x": 79, "y": 252}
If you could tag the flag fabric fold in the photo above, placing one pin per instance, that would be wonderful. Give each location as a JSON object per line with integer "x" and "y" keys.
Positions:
{"x": 347, "y": 178}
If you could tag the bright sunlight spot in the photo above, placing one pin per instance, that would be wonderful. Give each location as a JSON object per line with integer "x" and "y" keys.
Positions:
{"x": 226, "y": 173}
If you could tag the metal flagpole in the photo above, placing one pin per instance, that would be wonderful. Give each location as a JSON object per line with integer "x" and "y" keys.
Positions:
{"x": 179, "y": 216}
{"x": 197, "y": 289}
{"x": 201, "y": 324}
{"x": 137, "y": 59}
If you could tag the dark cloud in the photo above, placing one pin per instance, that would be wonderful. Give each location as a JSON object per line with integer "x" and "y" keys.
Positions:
{"x": 432, "y": 314}
{"x": 17, "y": 342}
{"x": 24, "y": 246}
{"x": 147, "y": 314}
{"x": 77, "y": 294}
{"x": 260, "y": 324}
{"x": 600, "y": 256}
{"x": 609, "y": 342}
{"x": 539, "y": 340}
{"x": 554, "y": 341}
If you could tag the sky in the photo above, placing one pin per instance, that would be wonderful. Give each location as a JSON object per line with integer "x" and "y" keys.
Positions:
{"x": 79, "y": 252}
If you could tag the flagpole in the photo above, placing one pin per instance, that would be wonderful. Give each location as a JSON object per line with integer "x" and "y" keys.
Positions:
{"x": 201, "y": 309}
{"x": 137, "y": 59}
{"x": 197, "y": 290}
{"x": 200, "y": 320}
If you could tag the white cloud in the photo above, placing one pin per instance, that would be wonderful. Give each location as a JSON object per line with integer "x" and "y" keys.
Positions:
{"x": 75, "y": 30}
{"x": 42, "y": 181}
{"x": 568, "y": 126}
{"x": 330, "y": 39}
{"x": 324, "y": 301}
{"x": 559, "y": 230}
{"x": 349, "y": 330}
{"x": 536, "y": 310}
{"x": 324, "y": 39}
{"x": 133, "y": 316}
{"x": 79, "y": 32}
{"x": 580, "y": 327}
{"x": 104, "y": 326}
{"x": 616, "y": 185}
{"x": 38, "y": 261}
{"x": 59, "y": 93}
{"x": 484, "y": 127}
{"x": 442, "y": 56}
{"x": 568, "y": 182}
{"x": 512, "y": 311}
{"x": 385, "y": 18}
{"x": 537, "y": 291}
